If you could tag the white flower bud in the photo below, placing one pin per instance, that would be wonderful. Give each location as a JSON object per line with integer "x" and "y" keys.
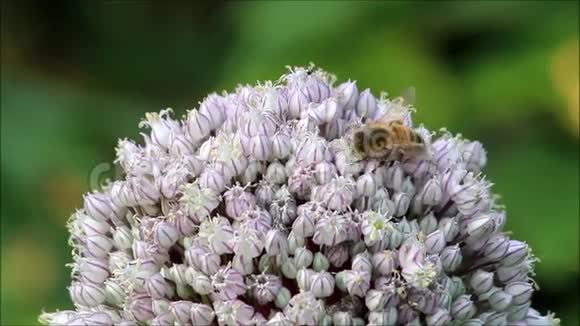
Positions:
{"x": 198, "y": 125}
{"x": 114, "y": 293}
{"x": 303, "y": 257}
{"x": 325, "y": 172}
{"x": 428, "y": 224}
{"x": 401, "y": 203}
{"x": 243, "y": 264}
{"x": 87, "y": 294}
{"x": 499, "y": 319}
{"x": 481, "y": 281}
{"x": 520, "y": 291}
{"x": 276, "y": 242}
{"x": 320, "y": 262}
{"x": 289, "y": 268}
{"x": 384, "y": 262}
{"x": 303, "y": 225}
{"x": 201, "y": 314}
{"x": 347, "y": 94}
{"x": 439, "y": 317}
{"x": 516, "y": 253}
{"x": 91, "y": 226}
{"x": 449, "y": 227}
{"x": 157, "y": 287}
{"x": 451, "y": 258}
{"x": 342, "y": 318}
{"x": 99, "y": 206}
{"x": 357, "y": 282}
{"x": 500, "y": 300}
{"x": 181, "y": 310}
{"x": 276, "y": 173}
{"x": 93, "y": 270}
{"x": 518, "y": 312}
{"x": 366, "y": 185}
{"x": 463, "y": 308}
{"x": 166, "y": 235}
{"x": 98, "y": 246}
{"x": 362, "y": 262}
{"x": 322, "y": 284}
{"x": 366, "y": 105}
{"x": 294, "y": 242}
{"x": 435, "y": 242}
{"x": 297, "y": 102}
{"x": 304, "y": 278}
{"x": 212, "y": 179}
{"x": 200, "y": 282}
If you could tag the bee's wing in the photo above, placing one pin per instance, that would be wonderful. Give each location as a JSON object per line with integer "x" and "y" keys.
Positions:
{"x": 408, "y": 96}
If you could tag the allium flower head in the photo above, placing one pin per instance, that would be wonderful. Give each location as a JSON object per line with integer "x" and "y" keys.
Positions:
{"x": 256, "y": 209}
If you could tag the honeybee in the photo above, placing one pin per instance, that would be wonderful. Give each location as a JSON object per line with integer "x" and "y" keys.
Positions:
{"x": 388, "y": 140}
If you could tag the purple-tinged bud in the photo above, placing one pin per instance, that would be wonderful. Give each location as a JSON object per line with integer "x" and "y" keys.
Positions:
{"x": 157, "y": 287}
{"x": 322, "y": 284}
{"x": 260, "y": 147}
{"x": 439, "y": 317}
{"x": 474, "y": 156}
{"x": 500, "y": 300}
{"x": 435, "y": 242}
{"x": 481, "y": 281}
{"x": 99, "y": 206}
{"x": 178, "y": 273}
{"x": 179, "y": 144}
{"x": 481, "y": 227}
{"x": 366, "y": 185}
{"x": 451, "y": 258}
{"x": 366, "y": 105}
{"x": 201, "y": 314}
{"x": 376, "y": 300}
{"x": 276, "y": 173}
{"x": 87, "y": 294}
{"x": 331, "y": 230}
{"x": 297, "y": 102}
{"x": 212, "y": 179}
{"x": 463, "y": 308}
{"x": 449, "y": 227}
{"x": 535, "y": 319}
{"x": 243, "y": 264}
{"x": 301, "y": 182}
{"x": 265, "y": 287}
{"x": 347, "y": 94}
{"x": 325, "y": 172}
{"x": 181, "y": 310}
{"x": 198, "y": 125}
{"x": 384, "y": 262}
{"x": 357, "y": 282}
{"x": 496, "y": 248}
{"x": 161, "y": 127}
{"x": 97, "y": 246}
{"x": 276, "y": 242}
{"x": 228, "y": 283}
{"x": 303, "y": 225}
{"x": 93, "y": 270}
{"x": 428, "y": 224}
{"x": 163, "y": 319}
{"x": 207, "y": 262}
{"x": 304, "y": 309}
{"x": 122, "y": 238}
{"x": 498, "y": 319}
{"x": 238, "y": 201}
{"x": 401, "y": 203}
{"x": 521, "y": 292}
{"x": 264, "y": 194}
{"x": 294, "y": 242}
{"x": 473, "y": 322}
{"x": 518, "y": 312}
{"x": 516, "y": 253}
{"x": 431, "y": 194}
{"x": 90, "y": 226}
{"x": 362, "y": 263}
{"x": 281, "y": 144}
{"x": 166, "y": 235}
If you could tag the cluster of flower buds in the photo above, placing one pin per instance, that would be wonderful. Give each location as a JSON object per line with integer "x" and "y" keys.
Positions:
{"x": 256, "y": 209}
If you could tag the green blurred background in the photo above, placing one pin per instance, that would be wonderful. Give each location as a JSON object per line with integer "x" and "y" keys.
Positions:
{"x": 77, "y": 75}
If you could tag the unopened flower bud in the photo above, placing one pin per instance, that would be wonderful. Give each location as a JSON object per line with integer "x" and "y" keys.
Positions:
{"x": 500, "y": 300}
{"x": 289, "y": 268}
{"x": 303, "y": 257}
{"x": 322, "y": 284}
{"x": 451, "y": 258}
{"x": 320, "y": 262}
{"x": 516, "y": 253}
{"x": 276, "y": 173}
{"x": 463, "y": 308}
{"x": 439, "y": 317}
{"x": 435, "y": 242}
{"x": 282, "y": 298}
{"x": 481, "y": 281}
{"x": 157, "y": 287}
{"x": 201, "y": 314}
{"x": 521, "y": 292}
{"x": 87, "y": 294}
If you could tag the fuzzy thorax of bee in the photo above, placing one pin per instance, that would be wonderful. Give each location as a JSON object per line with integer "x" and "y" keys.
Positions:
{"x": 389, "y": 140}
